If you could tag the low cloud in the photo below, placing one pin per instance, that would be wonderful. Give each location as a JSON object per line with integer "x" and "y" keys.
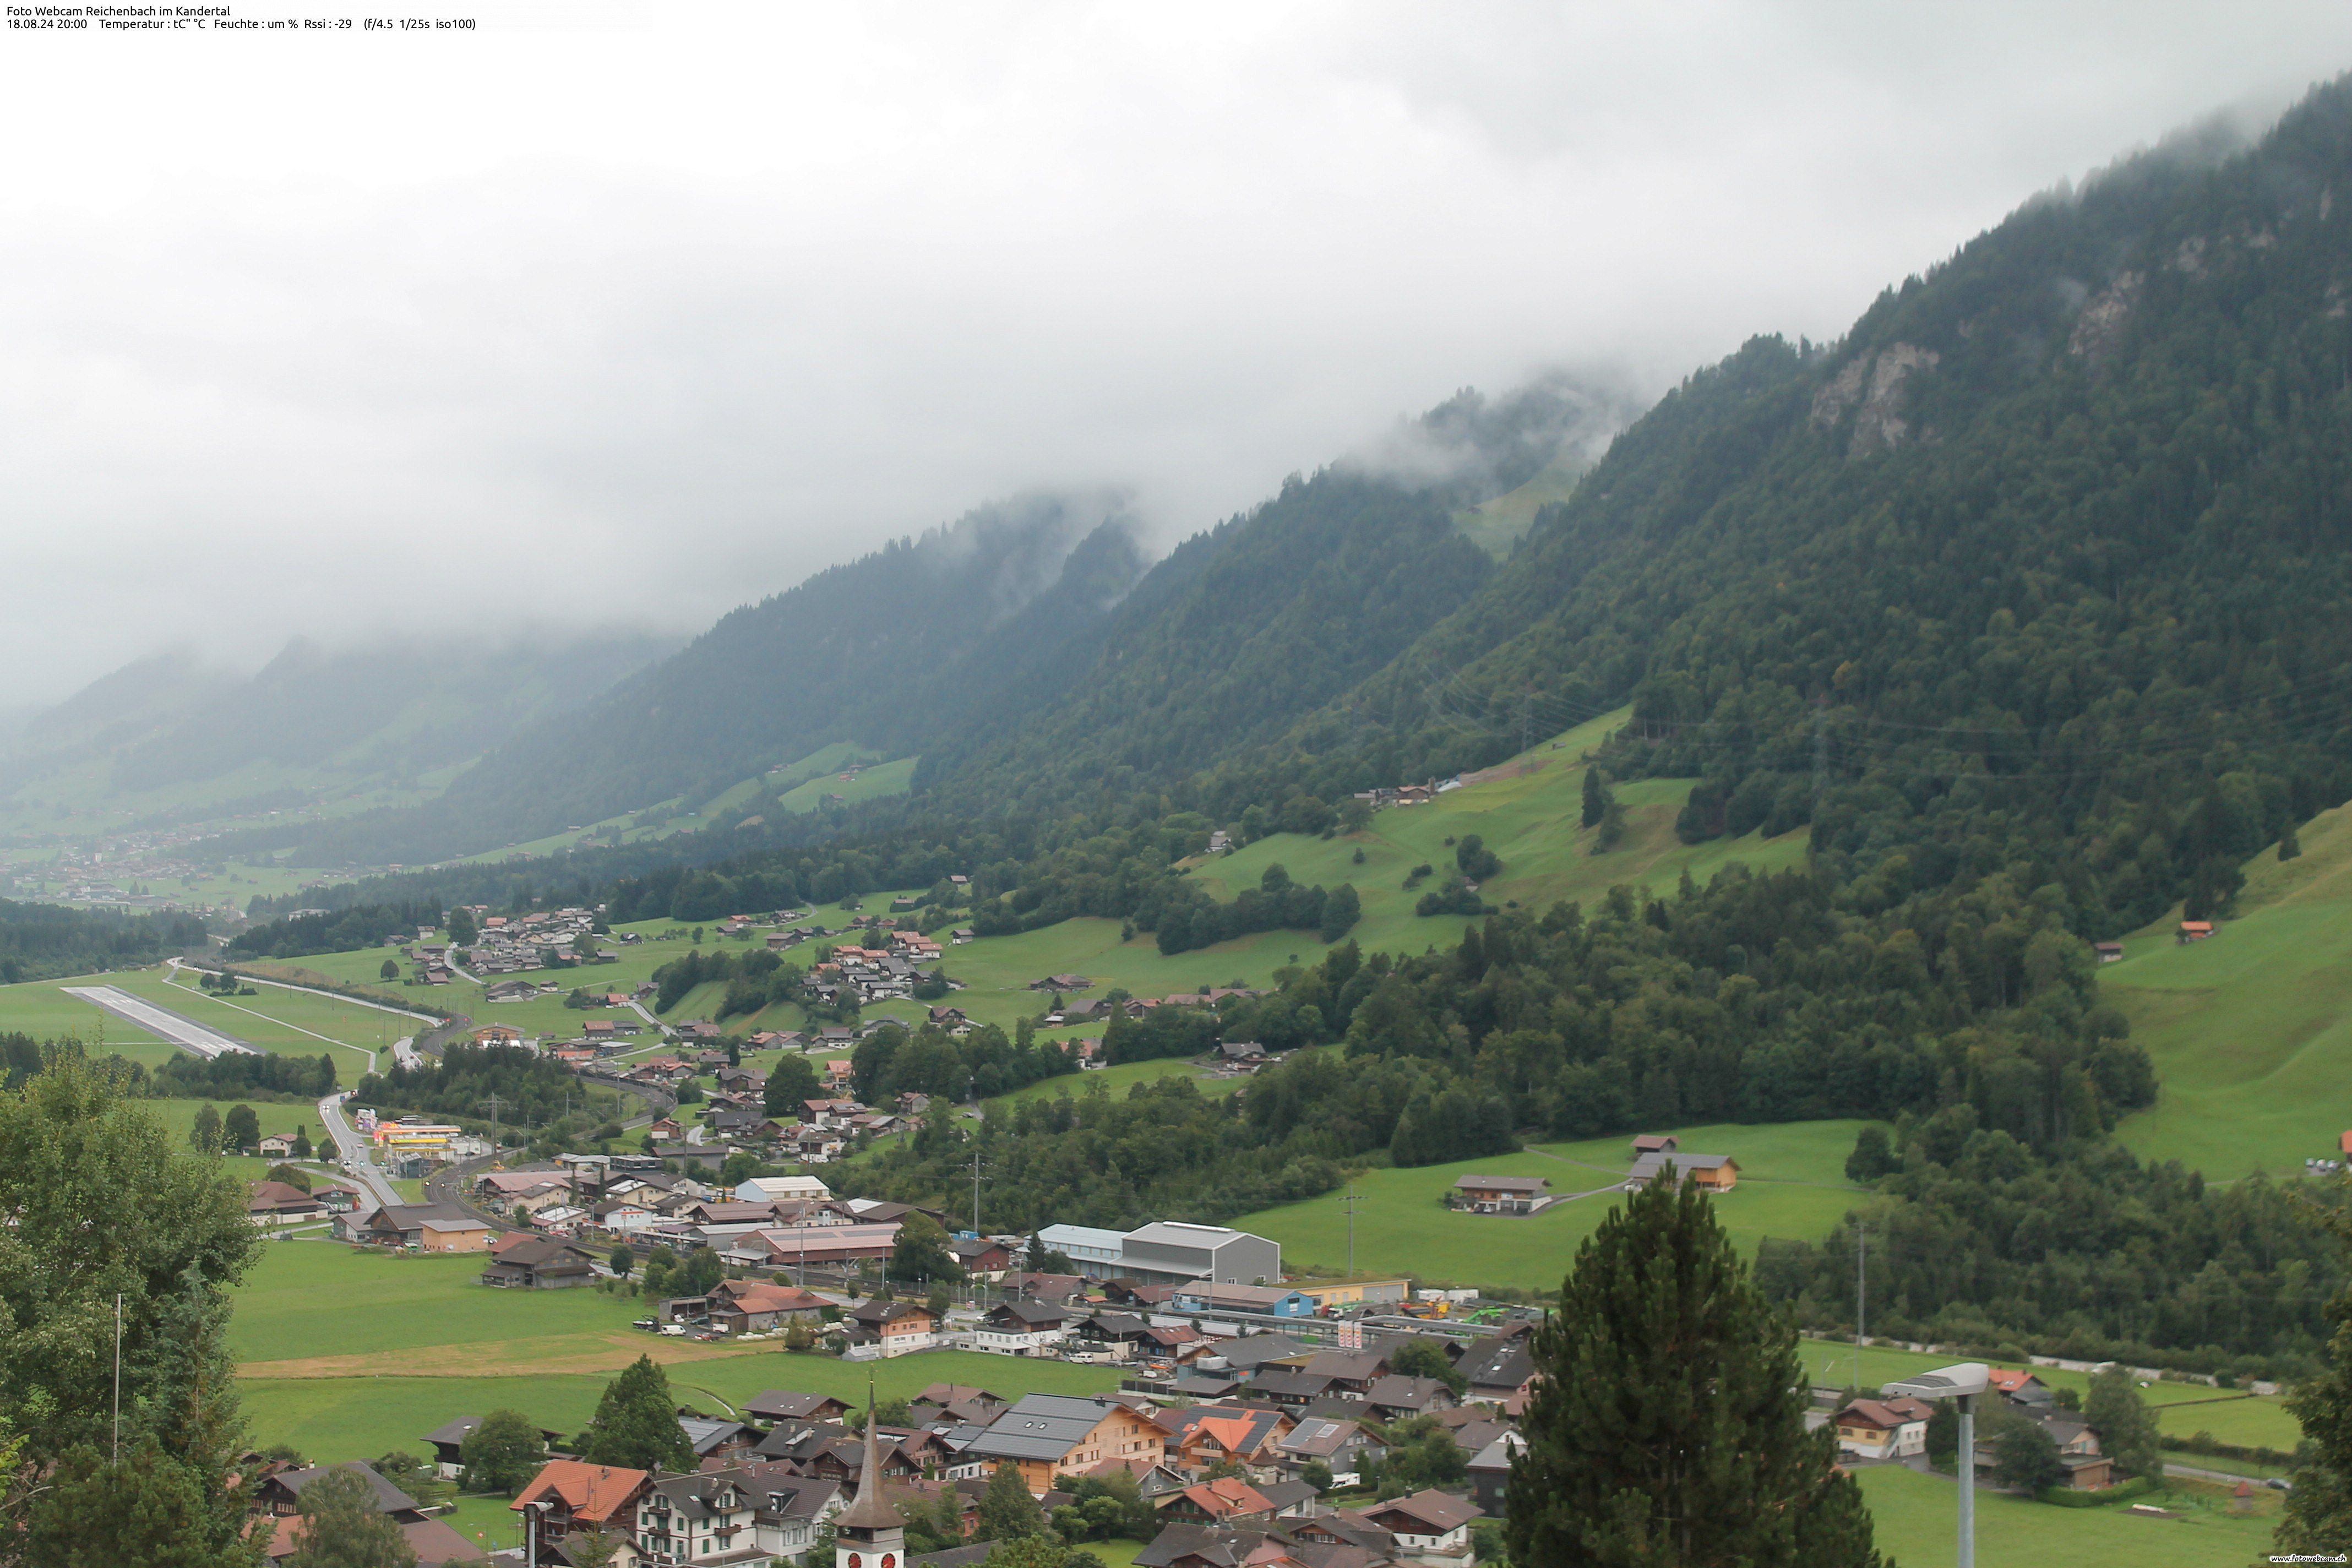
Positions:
{"x": 627, "y": 326}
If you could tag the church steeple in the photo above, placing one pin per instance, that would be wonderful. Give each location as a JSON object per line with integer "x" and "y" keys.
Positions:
{"x": 869, "y": 1533}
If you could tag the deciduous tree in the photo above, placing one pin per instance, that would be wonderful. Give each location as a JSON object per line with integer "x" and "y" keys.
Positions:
{"x": 502, "y": 1454}
{"x": 636, "y": 1425}
{"x": 342, "y": 1527}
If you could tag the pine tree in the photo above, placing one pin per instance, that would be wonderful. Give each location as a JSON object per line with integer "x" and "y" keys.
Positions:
{"x": 636, "y": 1425}
{"x": 1667, "y": 1429}
{"x": 344, "y": 1528}
{"x": 2290, "y": 847}
{"x": 1596, "y": 796}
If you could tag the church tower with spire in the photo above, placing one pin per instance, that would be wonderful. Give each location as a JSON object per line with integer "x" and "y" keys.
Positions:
{"x": 869, "y": 1533}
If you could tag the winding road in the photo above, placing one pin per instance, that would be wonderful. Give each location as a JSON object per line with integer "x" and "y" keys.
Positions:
{"x": 359, "y": 1156}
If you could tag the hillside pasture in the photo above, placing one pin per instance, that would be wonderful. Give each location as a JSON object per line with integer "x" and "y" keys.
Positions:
{"x": 1791, "y": 1185}
{"x": 2251, "y": 1030}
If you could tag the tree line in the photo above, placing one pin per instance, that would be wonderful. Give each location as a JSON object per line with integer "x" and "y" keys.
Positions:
{"x": 41, "y": 941}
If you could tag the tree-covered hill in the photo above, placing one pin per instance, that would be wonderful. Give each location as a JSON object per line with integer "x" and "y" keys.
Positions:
{"x": 2043, "y": 568}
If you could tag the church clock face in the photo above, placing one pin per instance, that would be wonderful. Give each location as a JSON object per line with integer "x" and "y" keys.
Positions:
{"x": 890, "y": 1560}
{"x": 855, "y": 1560}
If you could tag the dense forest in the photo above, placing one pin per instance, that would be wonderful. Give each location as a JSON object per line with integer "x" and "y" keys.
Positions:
{"x": 982, "y": 1064}
{"x": 2039, "y": 571}
{"x": 335, "y": 931}
{"x": 246, "y": 1075}
{"x": 1976, "y": 1238}
{"x": 532, "y": 1089}
{"x": 40, "y": 941}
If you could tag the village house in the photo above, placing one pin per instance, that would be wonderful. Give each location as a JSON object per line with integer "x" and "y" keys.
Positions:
{"x": 1020, "y": 1327}
{"x": 1503, "y": 1194}
{"x": 280, "y": 1202}
{"x": 1883, "y": 1428}
{"x": 1048, "y": 1435}
{"x": 1335, "y": 1442}
{"x": 579, "y": 1496}
{"x": 706, "y": 1517}
{"x": 541, "y": 1263}
{"x": 427, "y": 1228}
{"x": 447, "y": 1443}
{"x": 778, "y": 1405}
{"x": 1427, "y": 1522}
{"x": 895, "y": 1327}
{"x": 1228, "y": 1500}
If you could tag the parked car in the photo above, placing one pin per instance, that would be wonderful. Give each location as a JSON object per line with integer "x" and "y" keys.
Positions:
{"x": 648, "y": 1324}
{"x": 674, "y": 1331}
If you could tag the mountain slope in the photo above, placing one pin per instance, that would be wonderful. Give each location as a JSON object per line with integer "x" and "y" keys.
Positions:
{"x": 875, "y": 652}
{"x": 167, "y": 739}
{"x": 2043, "y": 568}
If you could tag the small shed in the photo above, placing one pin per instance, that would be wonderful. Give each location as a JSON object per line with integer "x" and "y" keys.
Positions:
{"x": 2195, "y": 931}
{"x": 2108, "y": 951}
{"x": 1653, "y": 1143}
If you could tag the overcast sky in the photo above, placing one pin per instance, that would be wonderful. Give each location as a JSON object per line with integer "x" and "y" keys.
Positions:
{"x": 330, "y": 333}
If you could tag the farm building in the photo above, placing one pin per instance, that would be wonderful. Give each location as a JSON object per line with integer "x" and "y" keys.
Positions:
{"x": 1715, "y": 1173}
{"x": 1503, "y": 1194}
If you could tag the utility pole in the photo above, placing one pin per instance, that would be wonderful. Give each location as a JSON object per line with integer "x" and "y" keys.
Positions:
{"x": 1860, "y": 1276}
{"x": 493, "y": 1103}
{"x": 975, "y": 1192}
{"x": 1349, "y": 1203}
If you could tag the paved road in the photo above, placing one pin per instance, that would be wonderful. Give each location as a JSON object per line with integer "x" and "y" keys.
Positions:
{"x": 356, "y": 1150}
{"x": 184, "y": 1033}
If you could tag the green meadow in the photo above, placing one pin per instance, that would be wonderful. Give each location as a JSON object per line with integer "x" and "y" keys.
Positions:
{"x": 1792, "y": 1184}
{"x": 2251, "y": 1030}
{"x": 1916, "y": 1524}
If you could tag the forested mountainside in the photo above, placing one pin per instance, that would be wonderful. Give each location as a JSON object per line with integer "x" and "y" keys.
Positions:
{"x": 1267, "y": 616}
{"x": 1249, "y": 625}
{"x": 2044, "y": 568}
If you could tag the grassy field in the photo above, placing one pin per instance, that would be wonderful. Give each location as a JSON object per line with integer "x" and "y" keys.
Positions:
{"x": 1914, "y": 1516}
{"x": 869, "y": 783}
{"x": 2251, "y": 1030}
{"x": 1792, "y": 1184}
{"x": 1532, "y": 820}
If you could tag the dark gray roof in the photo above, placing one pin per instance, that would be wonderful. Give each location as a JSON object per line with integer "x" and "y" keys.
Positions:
{"x": 1408, "y": 1393}
{"x": 455, "y": 1432}
{"x": 706, "y": 1433}
{"x": 1041, "y": 1427}
{"x": 788, "y": 1405}
{"x": 1321, "y": 1437}
{"x": 389, "y": 1499}
{"x": 1255, "y": 1350}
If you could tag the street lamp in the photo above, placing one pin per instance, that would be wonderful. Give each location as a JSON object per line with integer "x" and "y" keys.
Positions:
{"x": 1961, "y": 1383}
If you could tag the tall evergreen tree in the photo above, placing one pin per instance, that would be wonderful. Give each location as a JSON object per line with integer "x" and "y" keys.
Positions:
{"x": 1667, "y": 1429}
{"x": 636, "y": 1425}
{"x": 241, "y": 1129}
{"x": 204, "y": 1133}
{"x": 1596, "y": 796}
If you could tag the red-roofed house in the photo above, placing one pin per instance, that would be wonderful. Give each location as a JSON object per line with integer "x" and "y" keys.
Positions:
{"x": 581, "y": 1497}
{"x": 1227, "y": 1501}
